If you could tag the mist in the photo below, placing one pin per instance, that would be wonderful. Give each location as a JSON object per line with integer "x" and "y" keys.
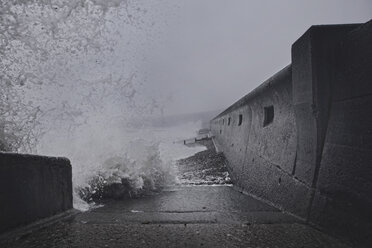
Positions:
{"x": 86, "y": 79}
{"x": 217, "y": 51}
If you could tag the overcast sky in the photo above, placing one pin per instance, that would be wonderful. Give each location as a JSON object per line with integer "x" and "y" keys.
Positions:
{"x": 216, "y": 51}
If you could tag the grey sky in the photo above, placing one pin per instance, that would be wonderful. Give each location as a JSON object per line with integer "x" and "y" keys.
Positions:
{"x": 218, "y": 50}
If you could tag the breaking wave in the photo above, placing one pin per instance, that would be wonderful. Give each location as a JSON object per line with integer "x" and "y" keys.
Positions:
{"x": 73, "y": 75}
{"x": 139, "y": 171}
{"x": 119, "y": 163}
{"x": 146, "y": 166}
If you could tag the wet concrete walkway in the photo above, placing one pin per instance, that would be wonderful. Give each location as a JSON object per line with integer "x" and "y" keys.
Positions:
{"x": 187, "y": 216}
{"x": 194, "y": 214}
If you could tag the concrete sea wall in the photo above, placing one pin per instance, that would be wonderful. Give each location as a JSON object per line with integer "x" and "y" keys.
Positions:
{"x": 262, "y": 154}
{"x": 32, "y": 187}
{"x": 303, "y": 139}
{"x": 343, "y": 196}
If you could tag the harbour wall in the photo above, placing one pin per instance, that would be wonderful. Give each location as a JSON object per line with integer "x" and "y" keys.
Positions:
{"x": 302, "y": 140}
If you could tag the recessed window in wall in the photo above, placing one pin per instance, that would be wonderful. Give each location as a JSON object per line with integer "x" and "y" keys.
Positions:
{"x": 220, "y": 131}
{"x": 240, "y": 120}
{"x": 223, "y": 121}
{"x": 229, "y": 121}
{"x": 268, "y": 115}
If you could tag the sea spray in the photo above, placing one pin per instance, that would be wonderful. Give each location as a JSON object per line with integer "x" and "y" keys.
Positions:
{"x": 62, "y": 60}
{"x": 112, "y": 161}
{"x": 139, "y": 171}
{"x": 72, "y": 77}
{"x": 146, "y": 166}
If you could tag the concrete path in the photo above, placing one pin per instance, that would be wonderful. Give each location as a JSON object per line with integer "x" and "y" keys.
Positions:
{"x": 188, "y": 216}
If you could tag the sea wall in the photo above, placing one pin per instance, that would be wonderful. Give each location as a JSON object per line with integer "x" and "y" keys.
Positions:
{"x": 302, "y": 140}
{"x": 262, "y": 150}
{"x": 32, "y": 187}
{"x": 343, "y": 196}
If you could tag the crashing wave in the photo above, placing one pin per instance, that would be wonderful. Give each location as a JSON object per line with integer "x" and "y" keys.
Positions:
{"x": 140, "y": 171}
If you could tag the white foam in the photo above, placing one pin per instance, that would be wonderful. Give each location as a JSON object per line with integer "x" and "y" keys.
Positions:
{"x": 113, "y": 153}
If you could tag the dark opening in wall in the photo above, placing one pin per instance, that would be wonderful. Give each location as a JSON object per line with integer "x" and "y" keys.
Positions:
{"x": 223, "y": 121}
{"x": 229, "y": 121}
{"x": 220, "y": 131}
{"x": 268, "y": 115}
{"x": 240, "y": 120}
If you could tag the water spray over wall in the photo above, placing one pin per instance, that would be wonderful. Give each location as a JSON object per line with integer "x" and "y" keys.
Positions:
{"x": 71, "y": 79}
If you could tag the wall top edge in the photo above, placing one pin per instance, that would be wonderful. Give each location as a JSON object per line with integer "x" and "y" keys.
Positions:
{"x": 33, "y": 156}
{"x": 328, "y": 28}
{"x": 273, "y": 80}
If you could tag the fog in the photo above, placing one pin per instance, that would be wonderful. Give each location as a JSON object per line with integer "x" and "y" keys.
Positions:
{"x": 82, "y": 78}
{"x": 218, "y": 50}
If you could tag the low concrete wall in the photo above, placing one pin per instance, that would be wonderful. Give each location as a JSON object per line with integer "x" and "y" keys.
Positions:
{"x": 32, "y": 187}
{"x": 305, "y": 141}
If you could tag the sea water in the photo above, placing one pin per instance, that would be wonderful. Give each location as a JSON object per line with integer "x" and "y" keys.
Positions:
{"x": 144, "y": 159}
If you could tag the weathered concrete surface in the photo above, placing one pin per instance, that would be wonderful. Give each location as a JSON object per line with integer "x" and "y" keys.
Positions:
{"x": 182, "y": 216}
{"x": 314, "y": 158}
{"x": 343, "y": 196}
{"x": 32, "y": 187}
{"x": 262, "y": 158}
{"x": 208, "y": 216}
{"x": 313, "y": 63}
{"x": 171, "y": 235}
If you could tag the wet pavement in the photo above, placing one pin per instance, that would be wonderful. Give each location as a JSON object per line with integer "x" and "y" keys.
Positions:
{"x": 187, "y": 215}
{"x": 188, "y": 205}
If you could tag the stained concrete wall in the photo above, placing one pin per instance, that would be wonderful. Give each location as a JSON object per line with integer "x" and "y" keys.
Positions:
{"x": 262, "y": 158}
{"x": 314, "y": 159}
{"x": 32, "y": 187}
{"x": 343, "y": 195}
